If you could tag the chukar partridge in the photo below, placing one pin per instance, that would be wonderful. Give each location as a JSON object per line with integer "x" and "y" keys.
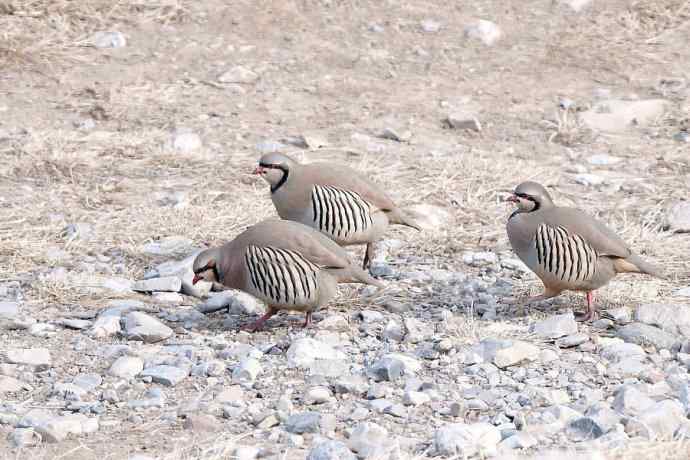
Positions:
{"x": 566, "y": 248}
{"x": 333, "y": 199}
{"x": 286, "y": 264}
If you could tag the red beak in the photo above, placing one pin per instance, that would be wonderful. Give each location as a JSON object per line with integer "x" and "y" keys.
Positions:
{"x": 259, "y": 170}
{"x": 512, "y": 199}
{"x": 196, "y": 279}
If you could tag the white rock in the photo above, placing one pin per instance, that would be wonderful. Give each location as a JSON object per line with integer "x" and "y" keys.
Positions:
{"x": 11, "y": 385}
{"x": 238, "y": 74}
{"x": 678, "y": 217}
{"x": 589, "y": 180}
{"x": 602, "y": 160}
{"x": 369, "y": 440}
{"x": 415, "y": 398}
{"x": 615, "y": 116}
{"x": 246, "y": 371}
{"x": 429, "y": 217}
{"x": 485, "y": 31}
{"x": 37, "y": 357}
{"x": 126, "y": 367}
{"x": 330, "y": 450}
{"x": 393, "y": 331}
{"x": 555, "y": 326}
{"x": 167, "y": 298}
{"x": 171, "y": 246}
{"x": 303, "y": 352}
{"x": 109, "y": 39}
{"x": 185, "y": 141}
{"x": 165, "y": 374}
{"x": 467, "y": 440}
{"x": 105, "y": 326}
{"x": 167, "y": 284}
{"x": 140, "y": 326}
{"x": 515, "y": 354}
{"x": 430, "y": 26}
{"x": 58, "y": 428}
{"x": 317, "y": 395}
{"x": 575, "y": 5}
{"x": 480, "y": 259}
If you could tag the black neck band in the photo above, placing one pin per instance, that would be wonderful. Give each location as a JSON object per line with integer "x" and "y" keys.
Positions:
{"x": 286, "y": 173}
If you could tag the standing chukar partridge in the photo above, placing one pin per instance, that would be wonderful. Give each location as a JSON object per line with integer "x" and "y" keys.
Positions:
{"x": 566, "y": 248}
{"x": 333, "y": 199}
{"x": 286, "y": 264}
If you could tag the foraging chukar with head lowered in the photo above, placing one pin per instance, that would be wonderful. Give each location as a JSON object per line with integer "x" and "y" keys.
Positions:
{"x": 286, "y": 264}
{"x": 566, "y": 248}
{"x": 333, "y": 199}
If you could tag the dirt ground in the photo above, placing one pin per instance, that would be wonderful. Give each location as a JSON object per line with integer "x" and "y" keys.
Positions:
{"x": 342, "y": 71}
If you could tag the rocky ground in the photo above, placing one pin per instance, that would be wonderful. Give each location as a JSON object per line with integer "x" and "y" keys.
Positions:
{"x": 127, "y": 132}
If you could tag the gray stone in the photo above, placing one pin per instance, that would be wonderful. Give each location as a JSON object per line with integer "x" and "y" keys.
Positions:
{"x": 396, "y": 410}
{"x": 520, "y": 440}
{"x": 393, "y": 366}
{"x": 237, "y": 303}
{"x": 77, "y": 324}
{"x": 464, "y": 121}
{"x": 628, "y": 368}
{"x": 415, "y": 398}
{"x": 515, "y": 354}
{"x": 330, "y": 450}
{"x": 631, "y": 401}
{"x": 329, "y": 368}
{"x": 484, "y": 31}
{"x": 309, "y": 422}
{"x": 371, "y": 316}
{"x": 140, "y": 326}
{"x": 575, "y": 5}
{"x": 317, "y": 395}
{"x": 480, "y": 259}
{"x": 351, "y": 384}
{"x": 37, "y": 357}
{"x": 571, "y": 341}
{"x": 393, "y": 331}
{"x": 369, "y": 440}
{"x": 602, "y": 160}
{"x": 467, "y": 440}
{"x": 589, "y": 180}
{"x": 109, "y": 39}
{"x": 303, "y": 352}
{"x": 674, "y": 319}
{"x": 167, "y": 284}
{"x": 167, "y": 298}
{"x": 24, "y": 437}
{"x": 683, "y": 292}
{"x": 88, "y": 382}
{"x": 238, "y": 74}
{"x": 417, "y": 331}
{"x": 79, "y": 230}
{"x": 8, "y": 309}
{"x": 644, "y": 334}
{"x": 430, "y": 25}
{"x": 555, "y": 326}
{"x": 12, "y": 385}
{"x": 126, "y": 367}
{"x": 678, "y": 217}
{"x": 165, "y": 374}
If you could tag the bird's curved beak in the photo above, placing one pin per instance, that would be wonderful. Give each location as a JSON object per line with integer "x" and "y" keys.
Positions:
{"x": 196, "y": 279}
{"x": 259, "y": 170}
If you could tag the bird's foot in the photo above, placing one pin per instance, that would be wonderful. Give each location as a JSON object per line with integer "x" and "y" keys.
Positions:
{"x": 586, "y": 317}
{"x": 259, "y": 323}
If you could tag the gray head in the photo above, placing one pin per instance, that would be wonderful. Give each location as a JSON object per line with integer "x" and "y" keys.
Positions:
{"x": 274, "y": 168}
{"x": 530, "y": 196}
{"x": 205, "y": 266}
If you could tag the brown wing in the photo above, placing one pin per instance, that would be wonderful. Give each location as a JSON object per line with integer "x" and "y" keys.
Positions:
{"x": 346, "y": 178}
{"x": 595, "y": 233}
{"x": 285, "y": 234}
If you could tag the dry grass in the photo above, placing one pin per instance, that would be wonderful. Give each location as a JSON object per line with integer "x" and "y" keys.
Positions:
{"x": 114, "y": 176}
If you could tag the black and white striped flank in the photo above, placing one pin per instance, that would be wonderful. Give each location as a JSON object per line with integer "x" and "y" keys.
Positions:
{"x": 282, "y": 276}
{"x": 339, "y": 213}
{"x": 566, "y": 256}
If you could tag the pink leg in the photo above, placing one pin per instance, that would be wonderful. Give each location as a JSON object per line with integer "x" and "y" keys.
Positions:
{"x": 307, "y": 320}
{"x": 590, "y": 313}
{"x": 259, "y": 323}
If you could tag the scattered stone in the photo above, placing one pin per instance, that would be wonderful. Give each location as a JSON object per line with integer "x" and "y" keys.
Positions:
{"x": 576, "y": 5}
{"x": 515, "y": 354}
{"x": 644, "y": 334}
{"x": 126, "y": 367}
{"x": 330, "y": 450}
{"x": 415, "y": 398}
{"x": 620, "y": 315}
{"x": 12, "y": 385}
{"x": 631, "y": 401}
{"x": 678, "y": 217}
{"x": 109, "y": 39}
{"x": 393, "y": 135}
{"x": 167, "y": 284}
{"x": 658, "y": 422}
{"x": 602, "y": 160}
{"x": 467, "y": 440}
{"x": 430, "y": 26}
{"x": 140, "y": 326}
{"x": 589, "y": 180}
{"x": 317, "y": 395}
{"x": 79, "y": 230}
{"x": 58, "y": 428}
{"x": 669, "y": 317}
{"x": 165, "y": 374}
{"x": 520, "y": 440}
{"x": 480, "y": 259}
{"x": 77, "y": 324}
{"x": 303, "y": 352}
{"x": 119, "y": 285}
{"x": 105, "y": 326}
{"x": 485, "y": 31}
{"x": 617, "y": 352}
{"x": 369, "y": 440}
{"x": 238, "y": 74}
{"x": 555, "y": 326}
